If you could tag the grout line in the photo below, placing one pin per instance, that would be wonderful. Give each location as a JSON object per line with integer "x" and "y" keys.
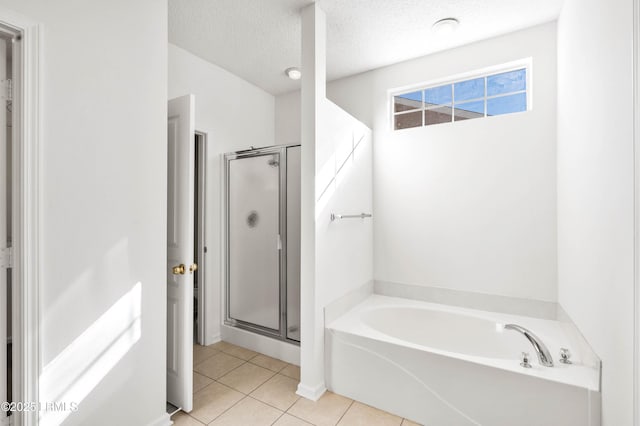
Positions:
{"x": 188, "y": 415}
{"x": 233, "y": 369}
{"x": 215, "y": 380}
{"x": 217, "y": 351}
{"x": 294, "y": 378}
{"x": 294, "y": 402}
{"x": 345, "y": 411}
{"x": 267, "y": 404}
{"x": 299, "y": 418}
{"x": 241, "y": 347}
{"x": 200, "y": 390}
{"x": 221, "y": 414}
{"x": 273, "y": 406}
{"x": 269, "y": 378}
{"x": 279, "y": 417}
{"x": 277, "y": 371}
{"x": 198, "y": 421}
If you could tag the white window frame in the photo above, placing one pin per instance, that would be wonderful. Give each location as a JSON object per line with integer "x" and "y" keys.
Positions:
{"x": 526, "y": 63}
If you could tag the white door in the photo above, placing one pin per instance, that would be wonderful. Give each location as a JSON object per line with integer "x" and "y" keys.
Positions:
{"x": 180, "y": 250}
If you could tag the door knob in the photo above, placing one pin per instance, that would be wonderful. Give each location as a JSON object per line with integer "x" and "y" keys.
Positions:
{"x": 178, "y": 270}
{"x": 193, "y": 268}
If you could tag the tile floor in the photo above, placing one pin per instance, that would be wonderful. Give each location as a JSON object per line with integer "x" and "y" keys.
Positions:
{"x": 234, "y": 386}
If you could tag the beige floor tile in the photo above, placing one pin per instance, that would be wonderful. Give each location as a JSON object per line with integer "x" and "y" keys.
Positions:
{"x": 238, "y": 352}
{"x": 279, "y": 391}
{"x": 268, "y": 362}
{"x": 407, "y": 422}
{"x": 200, "y": 381}
{"x": 289, "y": 420}
{"x": 324, "y": 412}
{"x": 182, "y": 419}
{"x": 292, "y": 371}
{"x": 246, "y": 378}
{"x": 363, "y": 415}
{"x": 219, "y": 345}
{"x": 218, "y": 365}
{"x": 200, "y": 353}
{"x": 212, "y": 401}
{"x": 248, "y": 412}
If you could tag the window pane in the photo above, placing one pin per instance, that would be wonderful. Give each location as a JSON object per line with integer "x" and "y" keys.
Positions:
{"x": 507, "y": 104}
{"x": 469, "y": 110}
{"x": 470, "y": 89}
{"x": 507, "y": 82}
{"x": 437, "y": 115}
{"x": 438, "y": 96}
{"x": 408, "y": 101}
{"x": 410, "y": 119}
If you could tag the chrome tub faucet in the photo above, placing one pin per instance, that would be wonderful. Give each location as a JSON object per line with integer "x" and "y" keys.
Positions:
{"x": 544, "y": 356}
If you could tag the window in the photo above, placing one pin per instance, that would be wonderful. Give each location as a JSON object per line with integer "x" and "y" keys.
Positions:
{"x": 492, "y": 94}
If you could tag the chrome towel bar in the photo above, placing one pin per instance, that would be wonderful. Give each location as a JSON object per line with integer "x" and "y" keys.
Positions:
{"x": 350, "y": 216}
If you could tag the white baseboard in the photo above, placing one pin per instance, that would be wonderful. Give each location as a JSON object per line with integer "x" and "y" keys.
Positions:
{"x": 163, "y": 420}
{"x": 313, "y": 393}
{"x": 211, "y": 339}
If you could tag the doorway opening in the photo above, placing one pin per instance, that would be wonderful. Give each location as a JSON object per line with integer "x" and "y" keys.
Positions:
{"x": 7, "y": 329}
{"x": 19, "y": 214}
{"x": 199, "y": 246}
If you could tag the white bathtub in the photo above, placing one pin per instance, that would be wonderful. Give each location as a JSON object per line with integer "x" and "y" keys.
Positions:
{"x": 441, "y": 365}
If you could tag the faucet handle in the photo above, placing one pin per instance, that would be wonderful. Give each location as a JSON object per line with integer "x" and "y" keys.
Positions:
{"x": 525, "y": 360}
{"x": 565, "y": 354}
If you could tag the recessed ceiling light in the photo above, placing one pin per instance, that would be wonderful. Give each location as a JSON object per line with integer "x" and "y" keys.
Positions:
{"x": 293, "y": 73}
{"x": 445, "y": 26}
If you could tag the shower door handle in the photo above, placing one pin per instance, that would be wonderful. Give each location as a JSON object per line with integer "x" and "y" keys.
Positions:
{"x": 279, "y": 242}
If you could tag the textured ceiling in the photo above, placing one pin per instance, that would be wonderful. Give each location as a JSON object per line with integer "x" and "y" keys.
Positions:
{"x": 258, "y": 39}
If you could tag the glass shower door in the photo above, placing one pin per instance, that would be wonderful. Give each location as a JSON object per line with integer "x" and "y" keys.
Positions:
{"x": 254, "y": 240}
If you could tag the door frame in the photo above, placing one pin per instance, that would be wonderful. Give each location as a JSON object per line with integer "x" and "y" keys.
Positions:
{"x": 26, "y": 216}
{"x": 636, "y": 171}
{"x": 201, "y": 214}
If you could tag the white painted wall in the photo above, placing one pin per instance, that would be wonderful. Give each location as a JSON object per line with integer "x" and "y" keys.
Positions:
{"x": 344, "y": 248}
{"x": 467, "y": 206}
{"x": 235, "y": 115}
{"x": 595, "y": 189}
{"x": 103, "y": 207}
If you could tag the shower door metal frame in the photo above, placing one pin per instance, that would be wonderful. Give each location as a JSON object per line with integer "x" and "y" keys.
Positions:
{"x": 281, "y": 332}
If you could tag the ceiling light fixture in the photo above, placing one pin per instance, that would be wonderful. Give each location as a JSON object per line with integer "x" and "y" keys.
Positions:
{"x": 445, "y": 26}
{"x": 293, "y": 73}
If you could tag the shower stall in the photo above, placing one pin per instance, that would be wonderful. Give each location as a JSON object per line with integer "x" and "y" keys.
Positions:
{"x": 262, "y": 241}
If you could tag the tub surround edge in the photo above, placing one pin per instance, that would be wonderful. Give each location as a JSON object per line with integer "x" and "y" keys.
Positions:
{"x": 586, "y": 352}
{"x": 342, "y": 305}
{"x": 466, "y": 299}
